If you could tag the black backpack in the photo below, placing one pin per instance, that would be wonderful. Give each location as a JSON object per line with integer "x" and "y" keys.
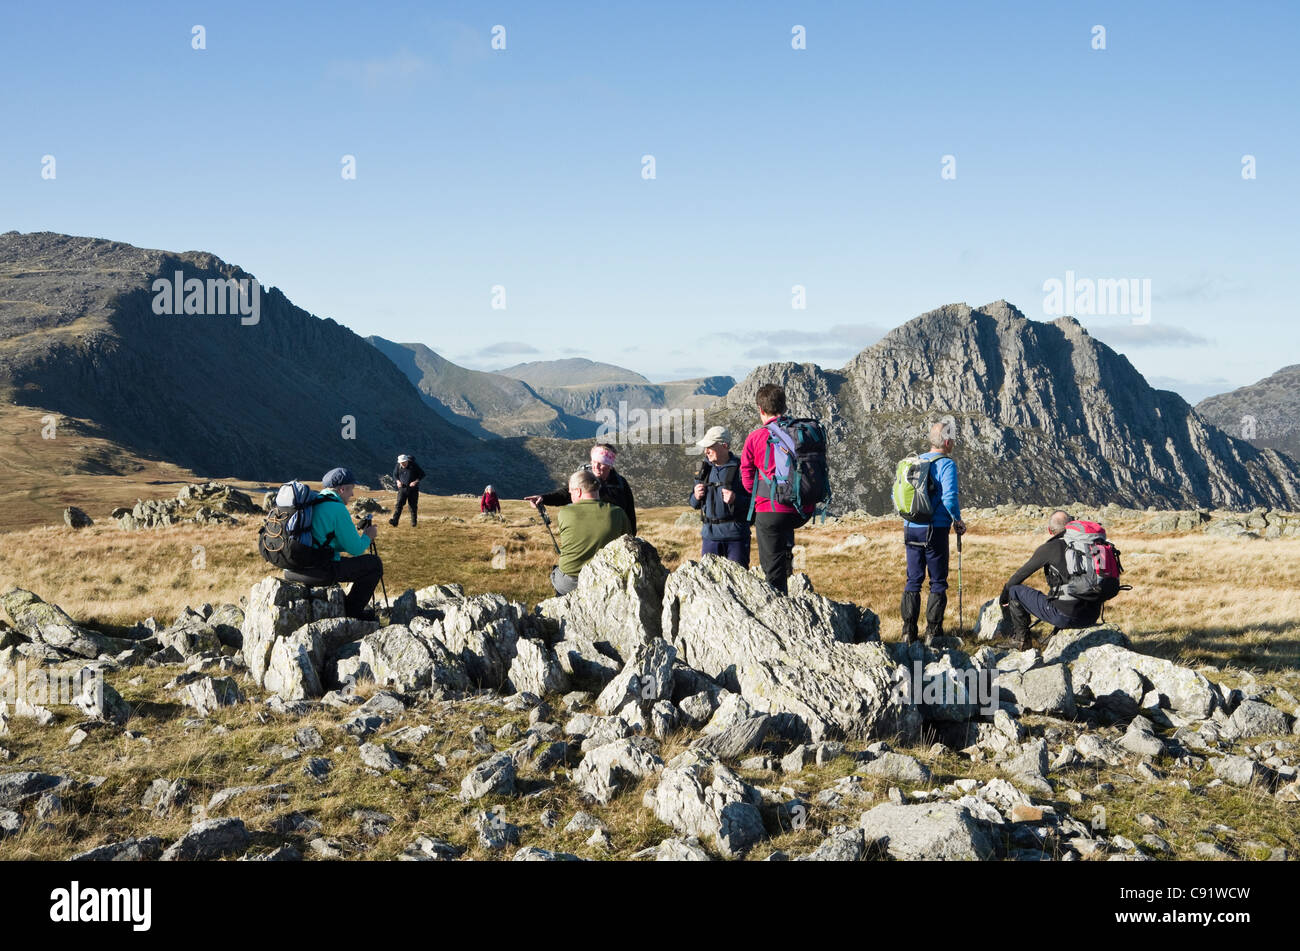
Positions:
{"x": 285, "y": 537}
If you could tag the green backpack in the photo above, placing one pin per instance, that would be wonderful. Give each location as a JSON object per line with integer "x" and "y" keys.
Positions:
{"x": 912, "y": 485}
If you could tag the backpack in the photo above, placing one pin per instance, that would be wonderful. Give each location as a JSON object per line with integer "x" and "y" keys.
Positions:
{"x": 285, "y": 537}
{"x": 796, "y": 452}
{"x": 912, "y": 485}
{"x": 1093, "y": 564}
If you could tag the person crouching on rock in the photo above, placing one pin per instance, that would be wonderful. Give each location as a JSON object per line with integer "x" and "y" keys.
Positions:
{"x": 488, "y": 503}
{"x": 331, "y": 524}
{"x": 407, "y": 475}
{"x": 1019, "y": 601}
{"x": 722, "y": 499}
{"x": 586, "y": 526}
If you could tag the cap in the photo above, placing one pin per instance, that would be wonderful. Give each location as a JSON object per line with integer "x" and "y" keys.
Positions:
{"x": 337, "y": 477}
{"x": 403, "y": 458}
{"x": 716, "y": 434}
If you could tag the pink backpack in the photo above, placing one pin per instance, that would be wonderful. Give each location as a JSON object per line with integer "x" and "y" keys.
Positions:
{"x": 1093, "y": 564}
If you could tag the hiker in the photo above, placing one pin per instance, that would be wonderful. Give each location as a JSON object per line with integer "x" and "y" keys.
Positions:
{"x": 612, "y": 486}
{"x": 927, "y": 541}
{"x": 774, "y": 521}
{"x": 586, "y": 526}
{"x": 407, "y": 475}
{"x": 331, "y": 526}
{"x": 721, "y": 498}
{"x": 488, "y": 503}
{"x": 1018, "y": 600}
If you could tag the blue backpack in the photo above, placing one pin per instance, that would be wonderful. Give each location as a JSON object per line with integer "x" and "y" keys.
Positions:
{"x": 796, "y": 456}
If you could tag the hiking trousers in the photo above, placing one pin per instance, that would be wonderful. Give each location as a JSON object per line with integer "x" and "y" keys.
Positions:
{"x": 406, "y": 496}
{"x": 1023, "y": 601}
{"x": 927, "y": 552}
{"x": 775, "y": 531}
{"x": 364, "y": 571}
{"x": 734, "y": 549}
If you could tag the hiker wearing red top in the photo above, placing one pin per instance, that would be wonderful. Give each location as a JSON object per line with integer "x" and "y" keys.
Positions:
{"x": 488, "y": 503}
{"x": 774, "y": 522}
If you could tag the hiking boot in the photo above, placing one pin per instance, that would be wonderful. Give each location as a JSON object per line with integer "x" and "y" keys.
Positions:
{"x": 393, "y": 521}
{"x": 935, "y": 605}
{"x": 910, "y": 608}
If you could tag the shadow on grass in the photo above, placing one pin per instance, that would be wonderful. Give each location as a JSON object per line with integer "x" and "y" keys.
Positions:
{"x": 1277, "y": 649}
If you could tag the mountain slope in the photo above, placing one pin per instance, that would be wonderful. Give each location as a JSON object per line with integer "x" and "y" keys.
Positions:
{"x": 572, "y": 371}
{"x": 486, "y": 404}
{"x": 1045, "y": 414}
{"x": 1274, "y": 405}
{"x": 287, "y": 397}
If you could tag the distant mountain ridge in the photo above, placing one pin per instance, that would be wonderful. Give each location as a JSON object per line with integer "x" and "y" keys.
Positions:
{"x": 1045, "y": 414}
{"x": 288, "y": 397}
{"x": 1266, "y": 414}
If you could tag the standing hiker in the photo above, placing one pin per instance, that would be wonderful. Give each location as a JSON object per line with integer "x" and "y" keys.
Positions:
{"x": 488, "y": 503}
{"x": 768, "y": 460}
{"x": 721, "y": 498}
{"x": 586, "y": 526}
{"x": 407, "y": 475}
{"x": 613, "y": 487}
{"x": 933, "y": 508}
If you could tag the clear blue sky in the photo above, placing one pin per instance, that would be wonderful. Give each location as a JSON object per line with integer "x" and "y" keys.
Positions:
{"x": 774, "y": 167}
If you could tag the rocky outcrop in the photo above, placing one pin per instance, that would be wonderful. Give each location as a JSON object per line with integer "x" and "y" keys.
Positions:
{"x": 793, "y": 655}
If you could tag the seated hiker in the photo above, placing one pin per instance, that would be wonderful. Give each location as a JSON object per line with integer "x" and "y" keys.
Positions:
{"x": 407, "y": 475}
{"x": 612, "y": 486}
{"x": 488, "y": 502}
{"x": 1019, "y": 601}
{"x": 331, "y": 525}
{"x": 722, "y": 499}
{"x": 586, "y": 526}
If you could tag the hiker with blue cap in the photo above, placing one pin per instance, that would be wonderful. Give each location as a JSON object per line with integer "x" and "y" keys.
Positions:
{"x": 331, "y": 526}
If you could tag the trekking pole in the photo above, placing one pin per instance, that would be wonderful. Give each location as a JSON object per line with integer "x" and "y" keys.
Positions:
{"x": 546, "y": 520}
{"x": 361, "y": 527}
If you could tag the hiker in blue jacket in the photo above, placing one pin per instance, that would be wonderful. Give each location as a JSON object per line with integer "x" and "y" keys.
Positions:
{"x": 722, "y": 499}
{"x": 927, "y": 545}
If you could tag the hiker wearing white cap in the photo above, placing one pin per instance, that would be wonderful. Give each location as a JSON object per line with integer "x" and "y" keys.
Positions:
{"x": 722, "y": 499}
{"x": 407, "y": 475}
{"x": 613, "y": 487}
{"x": 488, "y": 503}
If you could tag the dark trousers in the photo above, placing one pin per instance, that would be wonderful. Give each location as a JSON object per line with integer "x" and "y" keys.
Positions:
{"x": 406, "y": 496}
{"x": 927, "y": 551}
{"x": 735, "y": 549}
{"x": 1023, "y": 601}
{"x": 775, "y": 531}
{"x": 364, "y": 571}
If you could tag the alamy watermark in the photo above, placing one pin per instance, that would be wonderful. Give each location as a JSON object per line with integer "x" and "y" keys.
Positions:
{"x": 41, "y": 687}
{"x": 948, "y": 687}
{"x": 208, "y": 298}
{"x": 658, "y": 426}
{"x": 1100, "y": 297}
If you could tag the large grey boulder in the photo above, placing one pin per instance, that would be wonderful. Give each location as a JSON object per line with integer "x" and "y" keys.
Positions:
{"x": 482, "y": 630}
{"x": 17, "y": 788}
{"x": 495, "y": 776}
{"x": 989, "y": 625}
{"x": 290, "y": 671}
{"x": 74, "y": 517}
{"x": 698, "y": 796}
{"x": 99, "y": 701}
{"x": 397, "y": 657}
{"x": 210, "y": 839}
{"x": 784, "y": 654}
{"x": 617, "y": 600}
{"x": 586, "y": 666}
{"x": 1256, "y": 718}
{"x": 128, "y": 850}
{"x": 646, "y": 678}
{"x": 536, "y": 670}
{"x": 1241, "y": 771}
{"x": 849, "y": 845}
{"x": 607, "y": 770}
{"x": 1040, "y": 690}
{"x": 1066, "y": 646}
{"x": 928, "y": 831}
{"x": 48, "y": 624}
{"x": 208, "y": 694}
{"x": 1119, "y": 678}
{"x": 278, "y": 608}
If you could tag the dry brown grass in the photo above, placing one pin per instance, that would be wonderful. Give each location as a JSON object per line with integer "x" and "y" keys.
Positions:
{"x": 1197, "y": 599}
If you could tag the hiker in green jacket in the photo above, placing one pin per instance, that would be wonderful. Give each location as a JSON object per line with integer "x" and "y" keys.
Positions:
{"x": 586, "y": 526}
{"x": 331, "y": 524}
